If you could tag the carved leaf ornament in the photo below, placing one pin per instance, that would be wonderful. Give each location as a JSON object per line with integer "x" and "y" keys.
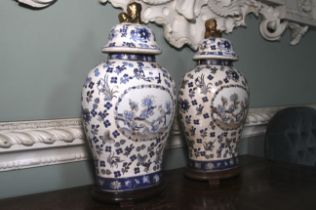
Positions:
{"x": 183, "y": 20}
{"x": 37, "y": 3}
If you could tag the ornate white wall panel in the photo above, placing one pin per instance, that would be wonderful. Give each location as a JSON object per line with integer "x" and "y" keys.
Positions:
{"x": 183, "y": 20}
{"x": 39, "y": 143}
{"x": 37, "y": 3}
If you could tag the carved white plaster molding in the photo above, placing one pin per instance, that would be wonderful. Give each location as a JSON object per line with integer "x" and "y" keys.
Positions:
{"x": 37, "y": 3}
{"x": 37, "y": 143}
{"x": 45, "y": 133}
{"x": 28, "y": 144}
{"x": 183, "y": 20}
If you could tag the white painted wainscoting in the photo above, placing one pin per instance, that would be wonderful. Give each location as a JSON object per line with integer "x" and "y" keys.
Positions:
{"x": 27, "y": 144}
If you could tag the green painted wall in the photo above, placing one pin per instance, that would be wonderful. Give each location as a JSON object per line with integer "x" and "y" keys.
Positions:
{"x": 43, "y": 179}
{"x": 277, "y": 73}
{"x": 46, "y": 54}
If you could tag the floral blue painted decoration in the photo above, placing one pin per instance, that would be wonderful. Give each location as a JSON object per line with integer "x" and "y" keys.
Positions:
{"x": 128, "y": 105}
{"x": 213, "y": 106}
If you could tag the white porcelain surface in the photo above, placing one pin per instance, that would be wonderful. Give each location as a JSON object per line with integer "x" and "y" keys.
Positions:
{"x": 128, "y": 107}
{"x": 213, "y": 106}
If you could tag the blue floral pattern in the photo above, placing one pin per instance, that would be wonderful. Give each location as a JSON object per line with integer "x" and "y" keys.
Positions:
{"x": 131, "y": 183}
{"x": 140, "y": 34}
{"x": 214, "y": 165}
{"x": 128, "y": 107}
{"x": 213, "y": 105}
{"x": 146, "y": 117}
{"x": 132, "y": 36}
{"x": 216, "y": 48}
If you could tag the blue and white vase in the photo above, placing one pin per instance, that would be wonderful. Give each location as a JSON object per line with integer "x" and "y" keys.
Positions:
{"x": 128, "y": 105}
{"x": 213, "y": 106}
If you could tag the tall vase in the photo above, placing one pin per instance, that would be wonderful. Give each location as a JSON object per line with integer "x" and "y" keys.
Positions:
{"x": 128, "y": 107}
{"x": 213, "y": 106}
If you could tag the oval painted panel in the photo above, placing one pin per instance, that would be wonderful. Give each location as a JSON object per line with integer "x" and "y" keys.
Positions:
{"x": 229, "y": 107}
{"x": 144, "y": 112}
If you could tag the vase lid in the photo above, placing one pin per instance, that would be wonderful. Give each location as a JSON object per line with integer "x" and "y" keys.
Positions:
{"x": 131, "y": 38}
{"x": 214, "y": 46}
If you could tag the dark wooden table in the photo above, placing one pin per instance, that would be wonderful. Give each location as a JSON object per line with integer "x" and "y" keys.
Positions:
{"x": 262, "y": 185}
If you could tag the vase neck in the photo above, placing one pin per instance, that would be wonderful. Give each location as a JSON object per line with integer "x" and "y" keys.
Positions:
{"x": 215, "y": 62}
{"x": 132, "y": 57}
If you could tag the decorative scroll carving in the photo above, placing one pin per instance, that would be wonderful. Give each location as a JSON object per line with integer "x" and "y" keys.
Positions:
{"x": 39, "y": 143}
{"x": 305, "y": 5}
{"x": 183, "y": 20}
{"x": 36, "y": 158}
{"x": 15, "y": 136}
{"x": 297, "y": 32}
{"x": 37, "y": 3}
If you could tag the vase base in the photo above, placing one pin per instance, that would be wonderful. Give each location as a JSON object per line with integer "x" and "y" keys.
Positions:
{"x": 213, "y": 178}
{"x": 126, "y": 199}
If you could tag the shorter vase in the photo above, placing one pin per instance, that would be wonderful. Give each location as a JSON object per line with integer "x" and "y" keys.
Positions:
{"x": 213, "y": 106}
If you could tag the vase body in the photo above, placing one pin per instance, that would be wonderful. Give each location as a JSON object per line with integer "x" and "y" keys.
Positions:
{"x": 128, "y": 109}
{"x": 213, "y": 106}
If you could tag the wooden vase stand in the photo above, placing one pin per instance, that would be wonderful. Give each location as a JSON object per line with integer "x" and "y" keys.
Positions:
{"x": 125, "y": 199}
{"x": 214, "y": 178}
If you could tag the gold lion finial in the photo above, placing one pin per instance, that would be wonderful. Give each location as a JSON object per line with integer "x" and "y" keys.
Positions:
{"x": 123, "y": 18}
{"x": 132, "y": 15}
{"x": 211, "y": 29}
